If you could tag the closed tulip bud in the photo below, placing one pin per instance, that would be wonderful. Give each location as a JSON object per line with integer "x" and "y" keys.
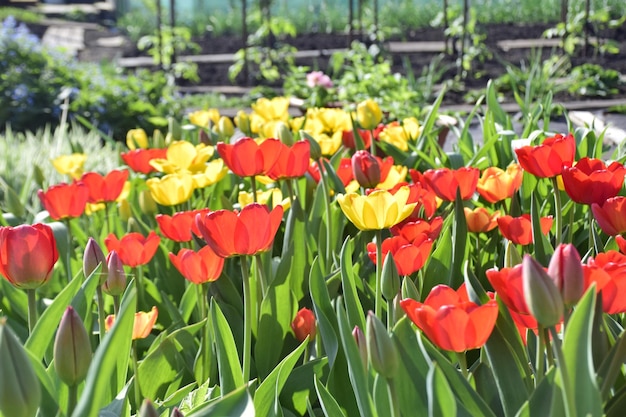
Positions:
{"x": 366, "y": 169}
{"x": 203, "y": 137}
{"x": 147, "y": 204}
{"x": 282, "y": 132}
{"x": 409, "y": 290}
{"x": 158, "y": 140}
{"x": 361, "y": 343}
{"x": 242, "y": 120}
{"x": 543, "y": 298}
{"x": 303, "y": 325}
{"x": 390, "y": 280}
{"x": 136, "y": 138}
{"x": 20, "y": 391}
{"x": 115, "y": 282}
{"x": 225, "y": 127}
{"x": 368, "y": 114}
{"x": 566, "y": 271}
{"x": 72, "y": 350}
{"x": 316, "y": 150}
{"x": 511, "y": 255}
{"x": 381, "y": 349}
{"x": 93, "y": 257}
{"x": 176, "y": 413}
{"x": 147, "y": 409}
{"x": 124, "y": 210}
{"x": 132, "y": 226}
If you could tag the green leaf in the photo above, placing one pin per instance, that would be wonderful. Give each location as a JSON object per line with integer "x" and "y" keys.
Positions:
{"x": 441, "y": 402}
{"x": 351, "y": 297}
{"x": 327, "y": 326}
{"x": 267, "y": 394}
{"x": 238, "y": 403}
{"x": 300, "y": 388}
{"x": 541, "y": 399}
{"x": 231, "y": 376}
{"x": 327, "y": 401}
{"x": 112, "y": 355}
{"x": 459, "y": 242}
{"x": 542, "y": 247}
{"x": 438, "y": 268}
{"x": 295, "y": 238}
{"x": 578, "y": 357}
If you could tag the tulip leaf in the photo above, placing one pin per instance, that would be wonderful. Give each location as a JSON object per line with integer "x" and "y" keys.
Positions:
{"x": 327, "y": 326}
{"x": 459, "y": 242}
{"x": 161, "y": 368}
{"x": 611, "y": 366}
{"x": 431, "y": 117}
{"x": 356, "y": 372}
{"x": 83, "y": 299}
{"x": 578, "y": 357}
{"x": 441, "y": 402}
{"x": 268, "y": 392}
{"x": 493, "y": 106}
{"x": 440, "y": 260}
{"x": 237, "y": 403}
{"x": 380, "y": 393}
{"x": 542, "y": 248}
{"x": 541, "y": 399}
{"x": 46, "y": 326}
{"x": 352, "y": 301}
{"x": 227, "y": 357}
{"x": 295, "y": 239}
{"x": 110, "y": 357}
{"x": 14, "y": 302}
{"x": 327, "y": 401}
{"x": 300, "y": 387}
{"x": 50, "y": 393}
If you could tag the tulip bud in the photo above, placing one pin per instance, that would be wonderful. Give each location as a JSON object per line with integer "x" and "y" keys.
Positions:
{"x": 158, "y": 139}
{"x": 542, "y": 297}
{"x": 361, "y": 343}
{"x": 176, "y": 413}
{"x": 147, "y": 409}
{"x": 136, "y": 138}
{"x": 390, "y": 280}
{"x": 132, "y": 226}
{"x": 303, "y": 325}
{"x": 366, "y": 169}
{"x": 93, "y": 257}
{"x": 125, "y": 212}
{"x": 146, "y": 203}
{"x": 409, "y": 290}
{"x": 242, "y": 120}
{"x": 566, "y": 271}
{"x": 225, "y": 127}
{"x": 316, "y": 150}
{"x": 511, "y": 255}
{"x": 282, "y": 132}
{"x": 115, "y": 282}
{"x": 203, "y": 137}
{"x": 20, "y": 392}
{"x": 72, "y": 350}
{"x": 174, "y": 129}
{"x": 368, "y": 114}
{"x": 382, "y": 351}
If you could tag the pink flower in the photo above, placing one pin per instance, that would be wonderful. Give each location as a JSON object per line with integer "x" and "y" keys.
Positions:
{"x": 318, "y": 79}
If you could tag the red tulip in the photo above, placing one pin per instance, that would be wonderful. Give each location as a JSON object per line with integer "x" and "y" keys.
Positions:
{"x": 621, "y": 243}
{"x": 27, "y": 254}
{"x": 292, "y": 162}
{"x": 303, "y": 325}
{"x": 134, "y": 249}
{"x": 548, "y": 159}
{"x": 105, "y": 188}
{"x": 408, "y": 256}
{"x": 247, "y": 158}
{"x": 421, "y": 194}
{"x": 366, "y": 169}
{"x": 139, "y": 159}
{"x": 445, "y": 182}
{"x": 519, "y": 230}
{"x": 198, "y": 267}
{"x": 348, "y": 140}
{"x": 611, "y": 215}
{"x": 591, "y": 181}
{"x": 181, "y": 225}
{"x": 344, "y": 171}
{"x": 413, "y": 229}
{"x": 248, "y": 232}
{"x": 608, "y": 271}
{"x": 450, "y": 320}
{"x": 65, "y": 200}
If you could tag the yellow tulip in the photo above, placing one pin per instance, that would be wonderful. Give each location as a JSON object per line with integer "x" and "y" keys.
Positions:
{"x": 202, "y": 118}
{"x": 397, "y": 174}
{"x": 327, "y": 126}
{"x": 71, "y": 165}
{"x": 214, "y": 172}
{"x": 183, "y": 156}
{"x": 242, "y": 120}
{"x": 378, "y": 210}
{"x": 368, "y": 114}
{"x": 136, "y": 138}
{"x": 266, "y": 110}
{"x": 171, "y": 189}
{"x": 273, "y": 195}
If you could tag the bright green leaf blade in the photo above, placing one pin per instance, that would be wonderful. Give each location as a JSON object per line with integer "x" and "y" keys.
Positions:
{"x": 351, "y": 297}
{"x": 441, "y": 401}
{"x": 327, "y": 326}
{"x": 238, "y": 403}
{"x": 327, "y": 401}
{"x": 231, "y": 376}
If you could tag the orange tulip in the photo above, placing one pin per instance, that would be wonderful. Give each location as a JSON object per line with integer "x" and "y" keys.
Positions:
{"x": 445, "y": 182}
{"x": 549, "y": 158}
{"x": 27, "y": 254}
{"x": 139, "y": 159}
{"x": 480, "y": 220}
{"x": 181, "y": 225}
{"x": 611, "y": 215}
{"x": 450, "y": 320}
{"x": 134, "y": 249}
{"x": 105, "y": 188}
{"x": 292, "y": 162}
{"x": 248, "y": 232}
{"x": 591, "y": 181}
{"x": 247, "y": 158}
{"x": 142, "y": 326}
{"x": 198, "y": 267}
{"x": 65, "y": 201}
{"x": 303, "y": 325}
{"x": 519, "y": 230}
{"x": 496, "y": 184}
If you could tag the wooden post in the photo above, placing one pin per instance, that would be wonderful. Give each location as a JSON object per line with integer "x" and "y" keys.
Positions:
{"x": 172, "y": 26}
{"x": 445, "y": 27}
{"x": 244, "y": 35}
{"x": 350, "y": 21}
{"x": 159, "y": 16}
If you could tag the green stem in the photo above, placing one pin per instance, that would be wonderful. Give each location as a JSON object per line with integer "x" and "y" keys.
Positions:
{"x": 116, "y": 304}
{"x": 568, "y": 393}
{"x": 390, "y": 321}
{"x": 393, "y": 398}
{"x": 70, "y": 251}
{"x": 204, "y": 341}
{"x": 107, "y": 214}
{"x": 593, "y": 245}
{"x": 101, "y": 312}
{"x": 372, "y": 143}
{"x": 137, "y": 271}
{"x": 557, "y": 208}
{"x": 261, "y": 276}
{"x": 253, "y": 184}
{"x": 540, "y": 358}
{"x": 247, "y": 319}
{"x": 72, "y": 396}
{"x": 290, "y": 191}
{"x": 328, "y": 214}
{"x": 32, "y": 309}
{"x": 138, "y": 397}
{"x": 460, "y": 356}
{"x": 379, "y": 271}
{"x": 549, "y": 355}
